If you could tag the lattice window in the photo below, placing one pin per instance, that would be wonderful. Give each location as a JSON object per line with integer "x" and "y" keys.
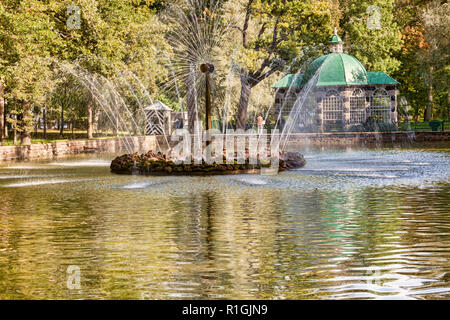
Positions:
{"x": 333, "y": 106}
{"x": 307, "y": 114}
{"x": 380, "y": 106}
{"x": 304, "y": 117}
{"x": 357, "y": 107}
{"x": 288, "y": 103}
{"x": 154, "y": 122}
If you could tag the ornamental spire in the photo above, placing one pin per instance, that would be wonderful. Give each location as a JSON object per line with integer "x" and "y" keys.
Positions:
{"x": 336, "y": 43}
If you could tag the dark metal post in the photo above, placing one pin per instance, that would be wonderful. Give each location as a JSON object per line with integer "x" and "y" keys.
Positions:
{"x": 207, "y": 69}
{"x": 208, "y": 123}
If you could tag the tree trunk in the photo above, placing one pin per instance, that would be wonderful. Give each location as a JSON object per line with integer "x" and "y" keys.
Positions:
{"x": 5, "y": 124}
{"x": 2, "y": 115}
{"x": 241, "y": 118}
{"x": 61, "y": 122}
{"x": 89, "y": 116}
{"x": 14, "y": 128}
{"x": 36, "y": 126}
{"x": 25, "y": 136}
{"x": 429, "y": 110}
{"x": 44, "y": 116}
{"x": 191, "y": 99}
{"x": 95, "y": 120}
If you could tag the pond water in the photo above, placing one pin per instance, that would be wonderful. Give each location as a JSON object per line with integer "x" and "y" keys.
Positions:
{"x": 351, "y": 224}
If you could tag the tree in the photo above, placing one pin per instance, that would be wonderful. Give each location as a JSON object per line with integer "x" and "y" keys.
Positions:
{"x": 435, "y": 59}
{"x": 2, "y": 114}
{"x": 6, "y": 53}
{"x": 30, "y": 42}
{"x": 113, "y": 37}
{"x": 371, "y": 33}
{"x": 272, "y": 32}
{"x": 417, "y": 57}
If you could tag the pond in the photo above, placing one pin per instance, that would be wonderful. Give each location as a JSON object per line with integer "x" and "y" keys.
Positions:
{"x": 352, "y": 224}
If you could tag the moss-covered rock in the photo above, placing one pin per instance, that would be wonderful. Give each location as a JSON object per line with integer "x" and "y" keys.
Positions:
{"x": 158, "y": 163}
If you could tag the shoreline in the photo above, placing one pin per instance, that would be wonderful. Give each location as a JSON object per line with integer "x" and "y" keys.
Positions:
{"x": 54, "y": 150}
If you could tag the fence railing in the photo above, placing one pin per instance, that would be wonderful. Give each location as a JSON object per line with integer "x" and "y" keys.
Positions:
{"x": 434, "y": 125}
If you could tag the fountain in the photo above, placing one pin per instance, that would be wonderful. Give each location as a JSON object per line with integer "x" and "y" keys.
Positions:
{"x": 193, "y": 61}
{"x": 245, "y": 152}
{"x": 151, "y": 163}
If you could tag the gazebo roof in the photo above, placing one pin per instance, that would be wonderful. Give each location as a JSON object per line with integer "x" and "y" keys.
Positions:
{"x": 373, "y": 78}
{"x": 158, "y": 106}
{"x": 336, "y": 69}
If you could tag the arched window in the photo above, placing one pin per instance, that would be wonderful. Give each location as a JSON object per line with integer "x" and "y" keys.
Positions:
{"x": 380, "y": 106}
{"x": 332, "y": 106}
{"x": 357, "y": 106}
{"x": 332, "y": 93}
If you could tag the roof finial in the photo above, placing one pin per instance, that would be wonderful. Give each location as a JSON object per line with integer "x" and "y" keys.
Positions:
{"x": 336, "y": 43}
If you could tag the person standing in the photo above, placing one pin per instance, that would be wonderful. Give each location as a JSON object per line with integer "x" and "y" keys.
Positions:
{"x": 260, "y": 122}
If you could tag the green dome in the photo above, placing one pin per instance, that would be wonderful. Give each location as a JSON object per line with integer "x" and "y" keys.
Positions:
{"x": 335, "y": 39}
{"x": 337, "y": 69}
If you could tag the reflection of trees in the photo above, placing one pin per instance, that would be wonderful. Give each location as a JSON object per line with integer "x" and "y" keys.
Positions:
{"x": 232, "y": 242}
{"x": 237, "y": 243}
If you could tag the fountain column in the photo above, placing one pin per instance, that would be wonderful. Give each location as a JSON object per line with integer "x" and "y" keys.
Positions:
{"x": 367, "y": 96}
{"x": 319, "y": 115}
{"x": 394, "y": 112}
{"x": 346, "y": 112}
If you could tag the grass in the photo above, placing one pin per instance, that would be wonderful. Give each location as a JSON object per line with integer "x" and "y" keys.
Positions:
{"x": 53, "y": 136}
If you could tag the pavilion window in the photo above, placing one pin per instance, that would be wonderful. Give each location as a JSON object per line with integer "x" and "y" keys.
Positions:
{"x": 380, "y": 106}
{"x": 333, "y": 106}
{"x": 357, "y": 107}
{"x": 288, "y": 103}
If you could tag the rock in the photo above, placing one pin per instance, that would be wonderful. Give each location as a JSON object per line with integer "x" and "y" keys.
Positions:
{"x": 168, "y": 169}
{"x": 293, "y": 160}
{"x": 151, "y": 162}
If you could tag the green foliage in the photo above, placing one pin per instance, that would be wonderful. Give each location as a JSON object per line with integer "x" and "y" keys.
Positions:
{"x": 371, "y": 43}
{"x": 124, "y": 41}
{"x": 278, "y": 30}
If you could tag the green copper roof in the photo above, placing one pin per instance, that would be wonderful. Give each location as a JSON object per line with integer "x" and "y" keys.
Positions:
{"x": 335, "y": 39}
{"x": 374, "y": 78}
{"x": 379, "y": 77}
{"x": 290, "y": 79}
{"x": 336, "y": 69}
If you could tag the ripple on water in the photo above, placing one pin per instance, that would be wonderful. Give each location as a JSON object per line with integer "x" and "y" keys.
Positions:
{"x": 325, "y": 231}
{"x": 92, "y": 163}
{"x": 43, "y": 182}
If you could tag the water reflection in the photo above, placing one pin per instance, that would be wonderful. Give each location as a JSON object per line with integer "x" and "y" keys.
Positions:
{"x": 291, "y": 236}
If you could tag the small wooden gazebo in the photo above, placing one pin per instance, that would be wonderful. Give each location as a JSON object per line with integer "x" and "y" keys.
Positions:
{"x": 157, "y": 119}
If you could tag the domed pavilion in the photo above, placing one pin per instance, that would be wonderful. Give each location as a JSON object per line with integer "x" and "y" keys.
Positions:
{"x": 344, "y": 97}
